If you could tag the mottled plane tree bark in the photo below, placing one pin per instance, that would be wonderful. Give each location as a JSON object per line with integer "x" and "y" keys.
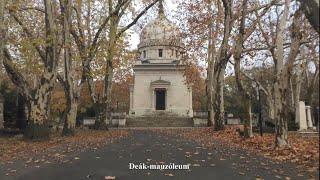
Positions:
{"x": 213, "y": 35}
{"x": 225, "y": 52}
{"x": 88, "y": 40}
{"x": 283, "y": 69}
{"x": 71, "y": 90}
{"x": 245, "y": 97}
{"x": 38, "y": 98}
{"x": 205, "y": 31}
{"x": 220, "y": 66}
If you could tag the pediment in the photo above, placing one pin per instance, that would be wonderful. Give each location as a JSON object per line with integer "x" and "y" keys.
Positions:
{"x": 160, "y": 82}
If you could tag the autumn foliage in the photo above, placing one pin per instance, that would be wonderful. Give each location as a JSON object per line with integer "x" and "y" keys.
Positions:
{"x": 58, "y": 147}
{"x": 302, "y": 150}
{"x": 194, "y": 76}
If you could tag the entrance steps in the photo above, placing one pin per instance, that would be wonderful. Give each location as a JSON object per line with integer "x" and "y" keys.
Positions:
{"x": 152, "y": 121}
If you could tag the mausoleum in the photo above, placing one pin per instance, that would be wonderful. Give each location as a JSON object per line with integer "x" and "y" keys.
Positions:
{"x": 160, "y": 86}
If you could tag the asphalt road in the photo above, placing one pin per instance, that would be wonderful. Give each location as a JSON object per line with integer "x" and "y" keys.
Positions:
{"x": 143, "y": 146}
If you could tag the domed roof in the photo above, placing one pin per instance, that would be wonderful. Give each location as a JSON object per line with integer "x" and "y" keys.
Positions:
{"x": 160, "y": 32}
{"x": 159, "y": 29}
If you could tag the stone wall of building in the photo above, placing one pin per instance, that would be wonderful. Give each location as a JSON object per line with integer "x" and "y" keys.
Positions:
{"x": 177, "y": 94}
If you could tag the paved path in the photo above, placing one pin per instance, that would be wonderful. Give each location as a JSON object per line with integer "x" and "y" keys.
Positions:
{"x": 149, "y": 147}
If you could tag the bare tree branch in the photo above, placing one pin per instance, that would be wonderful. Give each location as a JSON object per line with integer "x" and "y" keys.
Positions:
{"x": 32, "y": 8}
{"x": 29, "y": 34}
{"x": 311, "y": 10}
{"x": 136, "y": 19}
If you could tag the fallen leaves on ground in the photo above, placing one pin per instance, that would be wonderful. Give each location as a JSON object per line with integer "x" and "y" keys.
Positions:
{"x": 57, "y": 147}
{"x": 171, "y": 175}
{"x": 109, "y": 177}
{"x": 302, "y": 150}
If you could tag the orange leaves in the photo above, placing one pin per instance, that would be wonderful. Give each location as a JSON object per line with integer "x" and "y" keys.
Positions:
{"x": 302, "y": 150}
{"x": 11, "y": 148}
{"x": 194, "y": 75}
{"x": 58, "y": 100}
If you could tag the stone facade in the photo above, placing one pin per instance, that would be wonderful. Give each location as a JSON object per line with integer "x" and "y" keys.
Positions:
{"x": 160, "y": 87}
{"x": 177, "y": 93}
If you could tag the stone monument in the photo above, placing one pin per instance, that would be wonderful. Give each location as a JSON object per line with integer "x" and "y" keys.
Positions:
{"x": 160, "y": 86}
{"x": 309, "y": 120}
{"x": 302, "y": 120}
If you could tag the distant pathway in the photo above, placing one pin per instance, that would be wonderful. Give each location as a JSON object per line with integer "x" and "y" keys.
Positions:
{"x": 150, "y": 147}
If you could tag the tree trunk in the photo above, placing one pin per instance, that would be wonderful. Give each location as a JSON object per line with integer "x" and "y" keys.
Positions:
{"x": 270, "y": 103}
{"x": 247, "y": 118}
{"x": 70, "y": 117}
{"x": 310, "y": 92}
{"x": 211, "y": 60}
{"x": 103, "y": 104}
{"x": 101, "y": 115}
{"x": 300, "y": 72}
{"x": 220, "y": 67}
{"x": 37, "y": 127}
{"x": 245, "y": 97}
{"x": 281, "y": 110}
{"x": 2, "y": 46}
{"x": 69, "y": 85}
{"x": 210, "y": 91}
{"x": 284, "y": 71}
{"x": 311, "y": 10}
{"x": 218, "y": 104}
{"x": 246, "y": 109}
{"x": 106, "y": 96}
{"x": 296, "y": 100}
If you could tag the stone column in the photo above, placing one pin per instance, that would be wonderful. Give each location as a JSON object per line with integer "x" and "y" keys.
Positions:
{"x": 1, "y": 112}
{"x": 190, "y": 100}
{"x": 152, "y": 99}
{"x": 131, "y": 88}
{"x": 302, "y": 116}
{"x": 166, "y": 100}
{"x": 309, "y": 120}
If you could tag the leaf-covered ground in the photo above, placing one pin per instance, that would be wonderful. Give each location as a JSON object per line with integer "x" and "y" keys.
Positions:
{"x": 303, "y": 150}
{"x": 107, "y": 155}
{"x": 57, "y": 147}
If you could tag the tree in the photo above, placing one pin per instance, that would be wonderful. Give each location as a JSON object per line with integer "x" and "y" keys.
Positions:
{"x": 38, "y": 98}
{"x": 102, "y": 101}
{"x": 312, "y": 78}
{"x": 245, "y": 97}
{"x": 311, "y": 10}
{"x": 194, "y": 75}
{"x": 283, "y": 71}
{"x": 224, "y": 54}
{"x": 2, "y": 46}
{"x": 69, "y": 87}
{"x": 213, "y": 35}
{"x": 9, "y": 93}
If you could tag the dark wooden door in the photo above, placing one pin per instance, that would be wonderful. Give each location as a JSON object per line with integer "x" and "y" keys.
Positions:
{"x": 160, "y": 99}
